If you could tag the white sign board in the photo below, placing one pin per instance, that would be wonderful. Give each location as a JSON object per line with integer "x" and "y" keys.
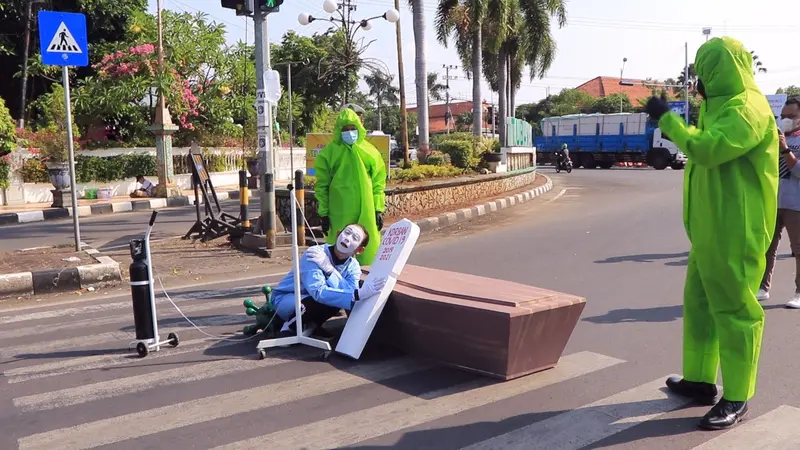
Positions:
{"x": 777, "y": 102}
{"x": 396, "y": 246}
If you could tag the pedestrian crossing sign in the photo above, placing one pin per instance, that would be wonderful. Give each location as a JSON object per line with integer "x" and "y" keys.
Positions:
{"x": 62, "y": 38}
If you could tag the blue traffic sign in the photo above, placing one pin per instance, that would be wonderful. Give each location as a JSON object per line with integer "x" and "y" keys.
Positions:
{"x": 62, "y": 39}
{"x": 678, "y": 108}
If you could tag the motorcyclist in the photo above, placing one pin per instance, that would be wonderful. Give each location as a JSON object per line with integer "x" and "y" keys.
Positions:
{"x": 563, "y": 155}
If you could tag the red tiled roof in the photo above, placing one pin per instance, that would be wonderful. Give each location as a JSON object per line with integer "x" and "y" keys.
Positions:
{"x": 604, "y": 86}
{"x": 436, "y": 115}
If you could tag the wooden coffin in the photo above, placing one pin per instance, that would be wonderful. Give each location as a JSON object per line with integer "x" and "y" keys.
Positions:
{"x": 497, "y": 328}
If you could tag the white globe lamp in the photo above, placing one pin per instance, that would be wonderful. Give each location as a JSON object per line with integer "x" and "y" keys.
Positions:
{"x": 367, "y": 26}
{"x": 304, "y": 19}
{"x": 329, "y": 6}
{"x": 392, "y": 15}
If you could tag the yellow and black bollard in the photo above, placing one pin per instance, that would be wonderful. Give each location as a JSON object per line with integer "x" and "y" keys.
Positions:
{"x": 268, "y": 222}
{"x": 299, "y": 190}
{"x": 244, "y": 199}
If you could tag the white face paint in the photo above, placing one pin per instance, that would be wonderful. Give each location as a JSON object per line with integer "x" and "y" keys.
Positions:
{"x": 349, "y": 239}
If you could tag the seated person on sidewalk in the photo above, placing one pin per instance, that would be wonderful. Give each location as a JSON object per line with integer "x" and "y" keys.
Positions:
{"x": 329, "y": 281}
{"x": 146, "y": 189}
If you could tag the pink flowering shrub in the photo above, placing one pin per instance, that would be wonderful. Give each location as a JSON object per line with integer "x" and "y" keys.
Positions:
{"x": 141, "y": 61}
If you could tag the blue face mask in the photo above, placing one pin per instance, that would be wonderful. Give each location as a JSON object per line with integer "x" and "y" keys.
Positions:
{"x": 350, "y": 137}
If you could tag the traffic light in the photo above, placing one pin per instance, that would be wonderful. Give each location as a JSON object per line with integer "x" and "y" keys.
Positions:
{"x": 242, "y": 7}
{"x": 269, "y": 6}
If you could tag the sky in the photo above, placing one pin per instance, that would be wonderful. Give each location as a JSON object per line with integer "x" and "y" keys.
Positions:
{"x": 598, "y": 35}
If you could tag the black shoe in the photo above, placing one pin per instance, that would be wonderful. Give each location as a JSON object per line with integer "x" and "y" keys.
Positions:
{"x": 703, "y": 393}
{"x": 724, "y": 415}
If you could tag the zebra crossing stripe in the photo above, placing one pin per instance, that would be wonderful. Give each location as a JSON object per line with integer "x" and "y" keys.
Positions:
{"x": 369, "y": 423}
{"x": 109, "y": 320}
{"x": 152, "y": 380}
{"x": 120, "y": 428}
{"x": 775, "y": 430}
{"x": 67, "y": 366}
{"x": 588, "y": 424}
{"x": 125, "y": 337}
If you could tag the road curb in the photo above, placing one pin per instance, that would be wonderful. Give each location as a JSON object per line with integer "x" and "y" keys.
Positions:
{"x": 106, "y": 208}
{"x": 105, "y": 272}
{"x": 464, "y": 214}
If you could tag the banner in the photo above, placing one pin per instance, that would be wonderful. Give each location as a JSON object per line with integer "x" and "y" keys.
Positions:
{"x": 519, "y": 133}
{"x": 315, "y": 142}
{"x": 777, "y": 102}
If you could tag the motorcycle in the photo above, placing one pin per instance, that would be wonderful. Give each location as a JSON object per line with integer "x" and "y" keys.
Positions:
{"x": 564, "y": 164}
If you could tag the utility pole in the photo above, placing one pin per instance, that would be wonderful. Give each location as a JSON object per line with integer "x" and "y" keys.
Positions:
{"x": 686, "y": 81}
{"x": 401, "y": 81}
{"x": 448, "y": 116}
{"x": 266, "y": 155}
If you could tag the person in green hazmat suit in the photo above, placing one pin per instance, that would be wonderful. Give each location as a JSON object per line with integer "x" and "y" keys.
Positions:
{"x": 730, "y": 194}
{"x": 351, "y": 183}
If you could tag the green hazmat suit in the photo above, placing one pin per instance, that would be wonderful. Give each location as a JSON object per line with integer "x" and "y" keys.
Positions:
{"x": 351, "y": 184}
{"x": 730, "y": 194}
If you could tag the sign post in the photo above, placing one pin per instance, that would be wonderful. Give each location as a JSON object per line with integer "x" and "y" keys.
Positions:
{"x": 63, "y": 42}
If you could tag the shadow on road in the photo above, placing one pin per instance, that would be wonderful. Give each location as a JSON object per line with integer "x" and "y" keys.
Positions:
{"x": 657, "y": 314}
{"x": 465, "y": 435}
{"x": 648, "y": 258}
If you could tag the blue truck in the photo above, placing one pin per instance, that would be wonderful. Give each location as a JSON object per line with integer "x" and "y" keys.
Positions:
{"x": 603, "y": 140}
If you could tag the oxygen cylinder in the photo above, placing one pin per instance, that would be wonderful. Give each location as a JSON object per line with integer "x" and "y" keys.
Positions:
{"x": 140, "y": 293}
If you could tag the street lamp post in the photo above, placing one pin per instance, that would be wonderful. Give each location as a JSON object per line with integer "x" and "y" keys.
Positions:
{"x": 707, "y": 33}
{"x": 344, "y": 9}
{"x": 621, "y": 71}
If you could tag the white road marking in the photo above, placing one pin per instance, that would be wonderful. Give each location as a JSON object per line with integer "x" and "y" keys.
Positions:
{"x": 138, "y": 383}
{"x": 558, "y": 196}
{"x": 152, "y": 421}
{"x": 369, "y": 423}
{"x": 775, "y": 430}
{"x": 588, "y": 424}
{"x": 67, "y": 366}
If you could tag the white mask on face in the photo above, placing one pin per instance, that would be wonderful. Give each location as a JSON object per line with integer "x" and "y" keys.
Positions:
{"x": 349, "y": 240}
{"x": 788, "y": 125}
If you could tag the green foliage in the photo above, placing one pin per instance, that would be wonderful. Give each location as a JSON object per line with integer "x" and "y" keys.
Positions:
{"x": 791, "y": 91}
{"x": 7, "y": 144}
{"x": 437, "y": 158}
{"x": 460, "y": 152}
{"x": 34, "y": 171}
{"x": 310, "y": 181}
{"x": 424, "y": 172}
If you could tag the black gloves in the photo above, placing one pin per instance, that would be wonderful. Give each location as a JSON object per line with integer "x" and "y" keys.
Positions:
{"x": 326, "y": 224}
{"x": 379, "y": 220}
{"x": 657, "y": 107}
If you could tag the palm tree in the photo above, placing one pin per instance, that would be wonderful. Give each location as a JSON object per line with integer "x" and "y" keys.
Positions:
{"x": 435, "y": 89}
{"x": 381, "y": 88}
{"x": 519, "y": 36}
{"x": 463, "y": 19}
{"x": 421, "y": 71}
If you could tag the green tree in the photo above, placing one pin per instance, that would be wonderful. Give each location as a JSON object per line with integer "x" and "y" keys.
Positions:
{"x": 383, "y": 91}
{"x": 127, "y": 83}
{"x": 614, "y": 103}
{"x": 789, "y": 90}
{"x": 108, "y": 22}
{"x": 463, "y": 20}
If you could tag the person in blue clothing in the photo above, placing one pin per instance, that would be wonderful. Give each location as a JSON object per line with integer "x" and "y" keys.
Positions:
{"x": 329, "y": 281}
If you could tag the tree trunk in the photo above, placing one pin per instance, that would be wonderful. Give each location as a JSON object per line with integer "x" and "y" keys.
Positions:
{"x": 421, "y": 69}
{"x": 509, "y": 86}
{"x": 501, "y": 97}
{"x": 477, "y": 101}
{"x": 380, "y": 122}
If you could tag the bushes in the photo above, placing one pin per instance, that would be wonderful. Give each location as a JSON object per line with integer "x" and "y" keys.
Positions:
{"x": 5, "y": 172}
{"x": 437, "y": 158}
{"x": 417, "y": 173}
{"x": 120, "y": 167}
{"x": 460, "y": 152}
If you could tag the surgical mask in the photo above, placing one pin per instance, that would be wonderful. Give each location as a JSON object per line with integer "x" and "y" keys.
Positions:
{"x": 789, "y": 125}
{"x": 349, "y": 240}
{"x": 350, "y": 137}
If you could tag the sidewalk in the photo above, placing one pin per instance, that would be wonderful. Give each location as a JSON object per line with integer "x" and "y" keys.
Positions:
{"x": 37, "y": 212}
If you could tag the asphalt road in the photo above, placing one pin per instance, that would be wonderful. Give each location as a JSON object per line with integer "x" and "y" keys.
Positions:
{"x": 615, "y": 237}
{"x": 106, "y": 231}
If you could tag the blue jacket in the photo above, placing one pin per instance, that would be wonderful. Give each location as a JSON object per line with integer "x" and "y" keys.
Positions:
{"x": 336, "y": 290}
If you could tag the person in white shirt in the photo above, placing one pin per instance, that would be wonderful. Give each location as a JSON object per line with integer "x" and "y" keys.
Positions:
{"x": 146, "y": 189}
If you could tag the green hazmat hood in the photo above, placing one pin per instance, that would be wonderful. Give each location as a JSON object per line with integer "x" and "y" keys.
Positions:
{"x": 348, "y": 117}
{"x": 725, "y": 67}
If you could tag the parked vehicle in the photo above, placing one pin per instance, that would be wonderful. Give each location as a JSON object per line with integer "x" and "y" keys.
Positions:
{"x": 603, "y": 140}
